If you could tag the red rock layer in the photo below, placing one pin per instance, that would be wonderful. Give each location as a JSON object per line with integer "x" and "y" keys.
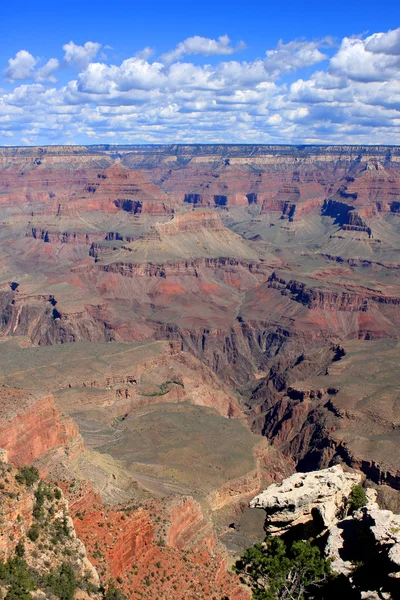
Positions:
{"x": 159, "y": 551}
{"x": 29, "y": 427}
{"x": 189, "y": 529}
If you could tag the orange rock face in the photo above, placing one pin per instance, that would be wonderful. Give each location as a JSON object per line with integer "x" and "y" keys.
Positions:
{"x": 29, "y": 427}
{"x": 189, "y": 529}
{"x": 16, "y": 518}
{"x": 123, "y": 539}
{"x": 150, "y": 555}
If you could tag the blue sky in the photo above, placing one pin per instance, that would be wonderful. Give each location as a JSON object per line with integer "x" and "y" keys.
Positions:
{"x": 151, "y": 72}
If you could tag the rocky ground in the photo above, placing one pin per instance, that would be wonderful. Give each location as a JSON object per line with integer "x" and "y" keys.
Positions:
{"x": 192, "y": 324}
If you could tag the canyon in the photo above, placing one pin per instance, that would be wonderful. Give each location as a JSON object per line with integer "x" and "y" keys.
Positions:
{"x": 182, "y": 326}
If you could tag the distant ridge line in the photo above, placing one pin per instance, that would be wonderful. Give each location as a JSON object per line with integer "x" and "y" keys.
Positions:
{"x": 244, "y": 150}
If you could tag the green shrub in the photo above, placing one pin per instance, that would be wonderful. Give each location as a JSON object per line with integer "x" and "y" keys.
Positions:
{"x": 61, "y": 528}
{"x": 113, "y": 593}
{"x": 15, "y": 573}
{"x": 33, "y": 533}
{"x": 20, "y": 549}
{"x": 27, "y": 476}
{"x": 275, "y": 572}
{"x": 357, "y": 499}
{"x": 43, "y": 492}
{"x": 63, "y": 582}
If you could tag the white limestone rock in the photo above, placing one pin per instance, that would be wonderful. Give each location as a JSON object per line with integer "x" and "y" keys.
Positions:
{"x": 385, "y": 527}
{"x": 303, "y": 497}
{"x": 333, "y": 550}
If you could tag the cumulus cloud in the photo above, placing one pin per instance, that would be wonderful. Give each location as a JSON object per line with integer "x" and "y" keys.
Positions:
{"x": 386, "y": 43}
{"x": 80, "y": 56}
{"x": 46, "y": 73}
{"x": 21, "y": 67}
{"x": 355, "y": 61}
{"x": 204, "y": 46}
{"x": 352, "y": 96}
{"x": 133, "y": 73}
{"x": 146, "y": 53}
{"x": 25, "y": 66}
{"x": 294, "y": 55}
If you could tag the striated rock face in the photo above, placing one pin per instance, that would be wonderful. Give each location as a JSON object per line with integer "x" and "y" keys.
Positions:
{"x": 31, "y": 426}
{"x": 124, "y": 540}
{"x": 65, "y": 237}
{"x": 171, "y": 538}
{"x": 348, "y": 412}
{"x": 304, "y": 497}
{"x": 326, "y": 298}
{"x": 189, "y": 528}
{"x": 270, "y": 466}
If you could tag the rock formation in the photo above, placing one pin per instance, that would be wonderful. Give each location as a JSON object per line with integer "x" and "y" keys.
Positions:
{"x": 31, "y": 426}
{"x": 303, "y": 497}
{"x": 364, "y": 547}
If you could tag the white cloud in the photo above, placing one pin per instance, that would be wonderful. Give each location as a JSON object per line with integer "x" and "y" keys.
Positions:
{"x": 275, "y": 119}
{"x": 386, "y": 43}
{"x": 354, "y": 96}
{"x": 133, "y": 73}
{"x": 46, "y": 73}
{"x": 294, "y": 55}
{"x": 361, "y": 60}
{"x": 204, "y": 46}
{"x": 146, "y": 53}
{"x": 80, "y": 56}
{"x": 21, "y": 67}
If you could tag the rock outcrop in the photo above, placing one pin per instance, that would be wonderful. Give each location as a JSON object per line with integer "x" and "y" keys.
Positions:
{"x": 363, "y": 546}
{"x": 380, "y": 530}
{"x": 305, "y": 497}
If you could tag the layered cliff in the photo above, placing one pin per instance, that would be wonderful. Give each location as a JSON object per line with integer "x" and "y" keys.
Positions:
{"x": 346, "y": 413}
{"x": 31, "y": 426}
{"x": 166, "y": 548}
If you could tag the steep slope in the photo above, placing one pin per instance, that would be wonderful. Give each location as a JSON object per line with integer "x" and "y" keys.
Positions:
{"x": 349, "y": 413}
{"x": 161, "y": 307}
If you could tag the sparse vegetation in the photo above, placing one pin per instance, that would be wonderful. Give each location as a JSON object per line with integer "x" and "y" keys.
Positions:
{"x": 15, "y": 574}
{"x": 63, "y": 582}
{"x": 164, "y": 388}
{"x": 357, "y": 499}
{"x": 275, "y": 572}
{"x": 113, "y": 593}
{"x": 20, "y": 549}
{"x": 27, "y": 476}
{"x": 33, "y": 532}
